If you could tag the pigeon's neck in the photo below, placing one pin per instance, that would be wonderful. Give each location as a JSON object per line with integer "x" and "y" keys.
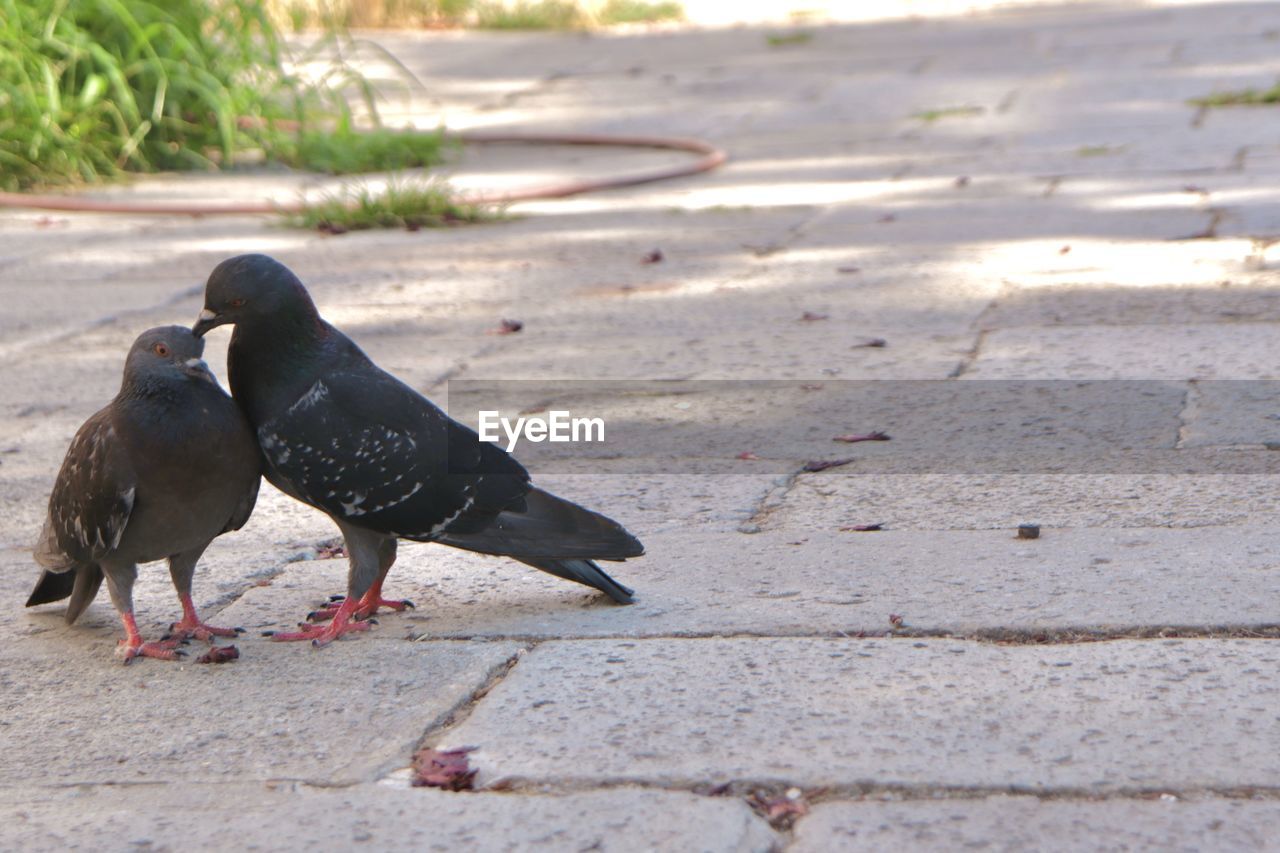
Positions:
{"x": 153, "y": 388}
{"x": 293, "y": 336}
{"x": 268, "y": 359}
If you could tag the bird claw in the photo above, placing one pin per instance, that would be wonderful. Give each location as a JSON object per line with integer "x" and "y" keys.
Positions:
{"x": 367, "y": 608}
{"x": 186, "y": 630}
{"x": 320, "y": 635}
{"x": 363, "y": 610}
{"x": 159, "y": 649}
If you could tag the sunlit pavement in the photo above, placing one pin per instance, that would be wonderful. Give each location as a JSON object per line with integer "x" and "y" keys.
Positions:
{"x": 998, "y": 194}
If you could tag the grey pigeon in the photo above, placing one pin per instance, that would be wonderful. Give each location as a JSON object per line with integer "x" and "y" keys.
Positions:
{"x": 382, "y": 461}
{"x": 169, "y": 465}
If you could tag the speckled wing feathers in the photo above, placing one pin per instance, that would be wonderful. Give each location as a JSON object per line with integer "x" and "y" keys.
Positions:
{"x": 366, "y": 448}
{"x": 91, "y": 501}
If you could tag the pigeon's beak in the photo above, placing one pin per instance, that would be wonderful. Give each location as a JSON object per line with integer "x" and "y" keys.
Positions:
{"x": 196, "y": 367}
{"x": 206, "y": 321}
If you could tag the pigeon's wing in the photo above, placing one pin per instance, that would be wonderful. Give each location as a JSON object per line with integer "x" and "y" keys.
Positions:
{"x": 91, "y": 499}
{"x": 244, "y": 508}
{"x": 366, "y": 448}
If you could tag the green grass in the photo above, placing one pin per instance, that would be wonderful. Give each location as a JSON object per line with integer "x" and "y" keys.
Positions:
{"x": 93, "y": 89}
{"x": 788, "y": 39}
{"x": 1240, "y": 98}
{"x": 404, "y": 204}
{"x": 301, "y": 14}
{"x": 530, "y": 15}
{"x": 484, "y": 14}
{"x": 345, "y": 151}
{"x": 1098, "y": 150}
{"x": 931, "y": 116}
{"x": 90, "y": 89}
{"x": 639, "y": 12}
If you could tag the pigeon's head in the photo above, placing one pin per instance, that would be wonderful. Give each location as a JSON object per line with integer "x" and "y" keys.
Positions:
{"x": 251, "y": 287}
{"x": 167, "y": 352}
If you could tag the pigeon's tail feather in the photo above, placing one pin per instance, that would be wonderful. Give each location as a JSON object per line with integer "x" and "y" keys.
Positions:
{"x": 584, "y": 572}
{"x": 545, "y": 526}
{"x": 88, "y": 580}
{"x": 52, "y": 586}
{"x": 80, "y": 585}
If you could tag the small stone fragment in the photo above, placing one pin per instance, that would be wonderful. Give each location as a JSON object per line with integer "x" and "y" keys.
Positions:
{"x": 815, "y": 465}
{"x": 219, "y": 654}
{"x": 856, "y": 437}
{"x": 447, "y": 769}
{"x": 506, "y": 327}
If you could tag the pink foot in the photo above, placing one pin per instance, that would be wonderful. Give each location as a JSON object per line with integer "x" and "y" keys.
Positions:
{"x": 159, "y": 649}
{"x": 188, "y": 629}
{"x": 367, "y": 606}
{"x": 191, "y": 626}
{"x": 132, "y": 645}
{"x": 324, "y": 635}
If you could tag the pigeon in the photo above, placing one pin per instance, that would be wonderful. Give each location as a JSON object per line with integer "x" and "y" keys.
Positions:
{"x": 348, "y": 438}
{"x": 168, "y": 466}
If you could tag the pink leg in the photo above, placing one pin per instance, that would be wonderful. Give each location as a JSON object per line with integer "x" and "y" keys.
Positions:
{"x": 191, "y": 626}
{"x": 322, "y": 636}
{"x": 132, "y": 646}
{"x": 367, "y": 605}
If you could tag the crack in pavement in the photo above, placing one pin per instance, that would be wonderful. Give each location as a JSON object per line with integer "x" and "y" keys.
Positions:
{"x": 437, "y": 729}
{"x": 986, "y": 636}
{"x": 770, "y": 502}
{"x": 868, "y": 790}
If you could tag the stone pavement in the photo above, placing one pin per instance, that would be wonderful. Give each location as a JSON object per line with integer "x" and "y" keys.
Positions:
{"x": 1003, "y": 195}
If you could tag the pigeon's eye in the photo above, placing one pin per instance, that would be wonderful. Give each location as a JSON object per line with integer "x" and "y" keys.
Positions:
{"x": 161, "y": 350}
{"x": 237, "y": 302}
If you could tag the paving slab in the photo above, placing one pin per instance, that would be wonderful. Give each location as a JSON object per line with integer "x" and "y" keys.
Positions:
{"x": 1224, "y": 302}
{"x": 1098, "y": 717}
{"x": 805, "y": 582}
{"x": 664, "y": 502}
{"x": 1238, "y": 413}
{"x": 1021, "y": 823}
{"x": 243, "y": 816}
{"x": 703, "y": 428}
{"x": 973, "y": 501}
{"x": 1077, "y": 220}
{"x": 806, "y": 355}
{"x": 1202, "y": 351}
{"x": 338, "y": 715}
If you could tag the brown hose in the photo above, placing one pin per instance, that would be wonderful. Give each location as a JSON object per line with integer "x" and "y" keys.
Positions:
{"x": 709, "y": 157}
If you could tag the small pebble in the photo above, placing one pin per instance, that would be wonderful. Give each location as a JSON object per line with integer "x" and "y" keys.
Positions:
{"x": 1028, "y": 531}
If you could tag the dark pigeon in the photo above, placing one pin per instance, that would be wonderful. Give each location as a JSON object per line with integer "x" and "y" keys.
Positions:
{"x": 382, "y": 461}
{"x": 169, "y": 465}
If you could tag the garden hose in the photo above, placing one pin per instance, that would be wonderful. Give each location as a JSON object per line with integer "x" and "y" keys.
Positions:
{"x": 709, "y": 157}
